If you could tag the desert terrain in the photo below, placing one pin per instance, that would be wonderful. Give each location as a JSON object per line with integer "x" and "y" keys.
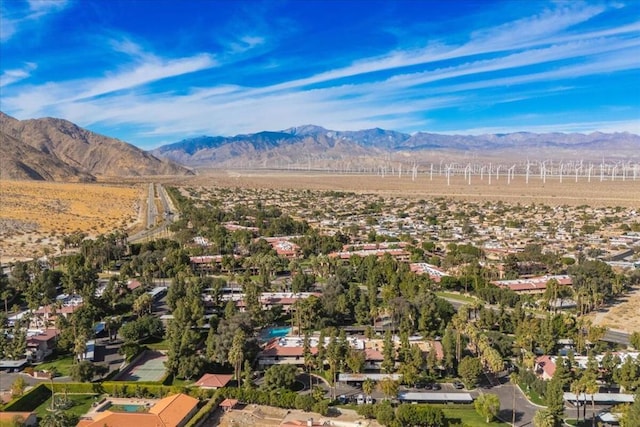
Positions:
{"x": 552, "y": 192}
{"x": 263, "y": 416}
{"x": 34, "y": 215}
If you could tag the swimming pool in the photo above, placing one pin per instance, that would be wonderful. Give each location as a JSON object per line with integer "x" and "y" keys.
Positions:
{"x": 277, "y": 332}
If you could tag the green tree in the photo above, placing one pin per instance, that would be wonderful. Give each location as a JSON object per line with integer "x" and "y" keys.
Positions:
{"x": 236, "y": 353}
{"x": 591, "y": 387}
{"x": 469, "y": 370}
{"x": 83, "y": 371}
{"x": 388, "y": 354}
{"x": 631, "y": 414}
{"x": 18, "y": 386}
{"x": 488, "y": 406}
{"x": 389, "y": 387}
{"x": 368, "y": 386}
{"x": 279, "y": 376}
{"x": 554, "y": 398}
{"x": 384, "y": 413}
{"x": 634, "y": 339}
{"x": 544, "y": 418}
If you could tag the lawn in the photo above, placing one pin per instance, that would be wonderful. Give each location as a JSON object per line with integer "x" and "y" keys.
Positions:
{"x": 154, "y": 343}
{"x": 456, "y": 296}
{"x": 62, "y": 366}
{"x": 533, "y": 396}
{"x": 81, "y": 404}
{"x": 467, "y": 414}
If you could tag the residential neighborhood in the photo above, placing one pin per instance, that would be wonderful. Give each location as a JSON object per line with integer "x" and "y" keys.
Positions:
{"x": 376, "y": 310}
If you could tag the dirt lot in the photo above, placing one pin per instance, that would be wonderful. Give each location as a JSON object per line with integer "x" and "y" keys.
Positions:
{"x": 35, "y": 215}
{"x": 594, "y": 193}
{"x": 259, "y": 416}
{"x": 624, "y": 316}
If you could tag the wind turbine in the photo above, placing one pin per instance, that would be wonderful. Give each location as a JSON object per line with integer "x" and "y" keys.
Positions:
{"x": 578, "y": 169}
{"x": 561, "y": 166}
{"x": 527, "y": 179}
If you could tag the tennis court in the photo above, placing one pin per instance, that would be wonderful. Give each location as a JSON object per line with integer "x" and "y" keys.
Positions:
{"x": 149, "y": 368}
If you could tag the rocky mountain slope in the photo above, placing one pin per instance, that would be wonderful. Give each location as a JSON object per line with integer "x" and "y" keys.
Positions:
{"x": 314, "y": 146}
{"x": 58, "y": 150}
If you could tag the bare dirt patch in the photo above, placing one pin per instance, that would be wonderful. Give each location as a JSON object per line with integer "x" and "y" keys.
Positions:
{"x": 258, "y": 416}
{"x": 624, "y": 316}
{"x": 35, "y": 215}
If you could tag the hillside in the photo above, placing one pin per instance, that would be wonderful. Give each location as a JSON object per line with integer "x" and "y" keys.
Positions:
{"x": 57, "y": 150}
{"x": 316, "y": 147}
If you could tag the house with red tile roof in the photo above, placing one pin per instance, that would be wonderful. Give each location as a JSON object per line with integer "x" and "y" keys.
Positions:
{"x": 545, "y": 367}
{"x": 172, "y": 411}
{"x": 27, "y": 419}
{"x": 41, "y": 343}
{"x": 228, "y": 404}
{"x": 533, "y": 285}
{"x": 213, "y": 381}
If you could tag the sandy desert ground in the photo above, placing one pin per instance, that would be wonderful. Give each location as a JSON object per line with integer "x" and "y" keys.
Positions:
{"x": 35, "y": 215}
{"x": 624, "y": 316}
{"x": 594, "y": 193}
{"x": 264, "y": 416}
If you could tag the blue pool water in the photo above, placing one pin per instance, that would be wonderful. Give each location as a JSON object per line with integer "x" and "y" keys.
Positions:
{"x": 278, "y": 332}
{"x": 132, "y": 408}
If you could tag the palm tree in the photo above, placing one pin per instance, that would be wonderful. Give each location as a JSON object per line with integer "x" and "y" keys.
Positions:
{"x": 591, "y": 387}
{"x": 513, "y": 377}
{"x": 368, "y": 386}
{"x": 543, "y": 418}
{"x": 577, "y": 387}
{"x": 52, "y": 373}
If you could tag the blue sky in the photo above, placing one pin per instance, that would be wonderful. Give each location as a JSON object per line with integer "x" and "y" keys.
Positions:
{"x": 152, "y": 72}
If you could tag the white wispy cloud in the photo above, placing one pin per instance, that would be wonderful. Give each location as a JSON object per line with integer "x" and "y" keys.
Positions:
{"x": 13, "y": 19}
{"x": 12, "y": 76}
{"x": 396, "y": 90}
{"x": 612, "y": 126}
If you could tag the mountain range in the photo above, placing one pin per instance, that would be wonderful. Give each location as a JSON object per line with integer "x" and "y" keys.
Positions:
{"x": 57, "y": 150}
{"x": 317, "y": 147}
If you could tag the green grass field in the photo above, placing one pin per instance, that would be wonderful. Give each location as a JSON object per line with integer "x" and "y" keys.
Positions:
{"x": 468, "y": 415}
{"x": 455, "y": 296}
{"x": 81, "y": 404}
{"x": 62, "y": 366}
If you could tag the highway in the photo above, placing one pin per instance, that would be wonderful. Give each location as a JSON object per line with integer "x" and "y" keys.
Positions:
{"x": 152, "y": 209}
{"x": 155, "y": 229}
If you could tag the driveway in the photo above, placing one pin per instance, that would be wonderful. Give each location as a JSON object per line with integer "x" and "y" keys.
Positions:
{"x": 524, "y": 410}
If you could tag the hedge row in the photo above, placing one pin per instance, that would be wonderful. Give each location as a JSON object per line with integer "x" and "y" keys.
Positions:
{"x": 204, "y": 412}
{"x": 30, "y": 400}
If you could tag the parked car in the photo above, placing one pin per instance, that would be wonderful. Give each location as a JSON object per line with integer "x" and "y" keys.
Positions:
{"x": 458, "y": 385}
{"x": 435, "y": 386}
{"x": 369, "y": 400}
{"x": 360, "y": 399}
{"x": 342, "y": 399}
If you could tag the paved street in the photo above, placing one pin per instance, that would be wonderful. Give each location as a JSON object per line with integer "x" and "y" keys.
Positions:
{"x": 524, "y": 410}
